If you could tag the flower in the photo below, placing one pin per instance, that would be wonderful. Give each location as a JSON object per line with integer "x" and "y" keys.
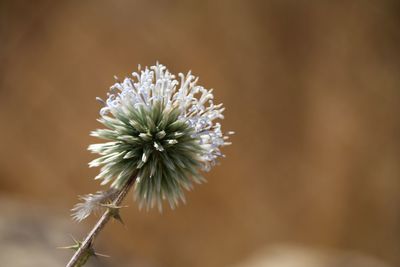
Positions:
{"x": 160, "y": 129}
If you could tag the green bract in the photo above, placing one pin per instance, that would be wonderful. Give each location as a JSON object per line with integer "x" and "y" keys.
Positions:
{"x": 154, "y": 144}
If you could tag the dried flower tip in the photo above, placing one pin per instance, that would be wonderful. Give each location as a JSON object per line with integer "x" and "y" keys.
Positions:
{"x": 92, "y": 203}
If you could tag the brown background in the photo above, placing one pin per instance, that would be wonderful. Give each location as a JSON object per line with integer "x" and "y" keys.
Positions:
{"x": 312, "y": 89}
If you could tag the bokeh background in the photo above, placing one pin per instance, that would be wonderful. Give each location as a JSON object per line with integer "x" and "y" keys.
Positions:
{"x": 311, "y": 88}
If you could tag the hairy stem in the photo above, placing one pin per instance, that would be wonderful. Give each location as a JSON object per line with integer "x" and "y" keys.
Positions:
{"x": 85, "y": 250}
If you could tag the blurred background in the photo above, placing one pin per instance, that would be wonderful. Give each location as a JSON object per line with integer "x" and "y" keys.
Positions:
{"x": 311, "y": 88}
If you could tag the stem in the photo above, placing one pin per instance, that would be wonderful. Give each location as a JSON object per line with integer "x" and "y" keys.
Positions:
{"x": 84, "y": 250}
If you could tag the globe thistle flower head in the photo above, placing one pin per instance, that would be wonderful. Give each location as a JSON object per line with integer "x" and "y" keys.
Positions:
{"x": 160, "y": 129}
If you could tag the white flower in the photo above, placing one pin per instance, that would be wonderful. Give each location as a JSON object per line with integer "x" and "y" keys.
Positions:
{"x": 160, "y": 129}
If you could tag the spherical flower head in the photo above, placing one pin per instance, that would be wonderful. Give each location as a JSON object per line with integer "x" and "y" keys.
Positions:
{"x": 160, "y": 129}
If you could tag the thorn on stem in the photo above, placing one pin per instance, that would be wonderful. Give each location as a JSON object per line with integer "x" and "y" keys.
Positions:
{"x": 87, "y": 253}
{"x": 75, "y": 246}
{"x": 114, "y": 211}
